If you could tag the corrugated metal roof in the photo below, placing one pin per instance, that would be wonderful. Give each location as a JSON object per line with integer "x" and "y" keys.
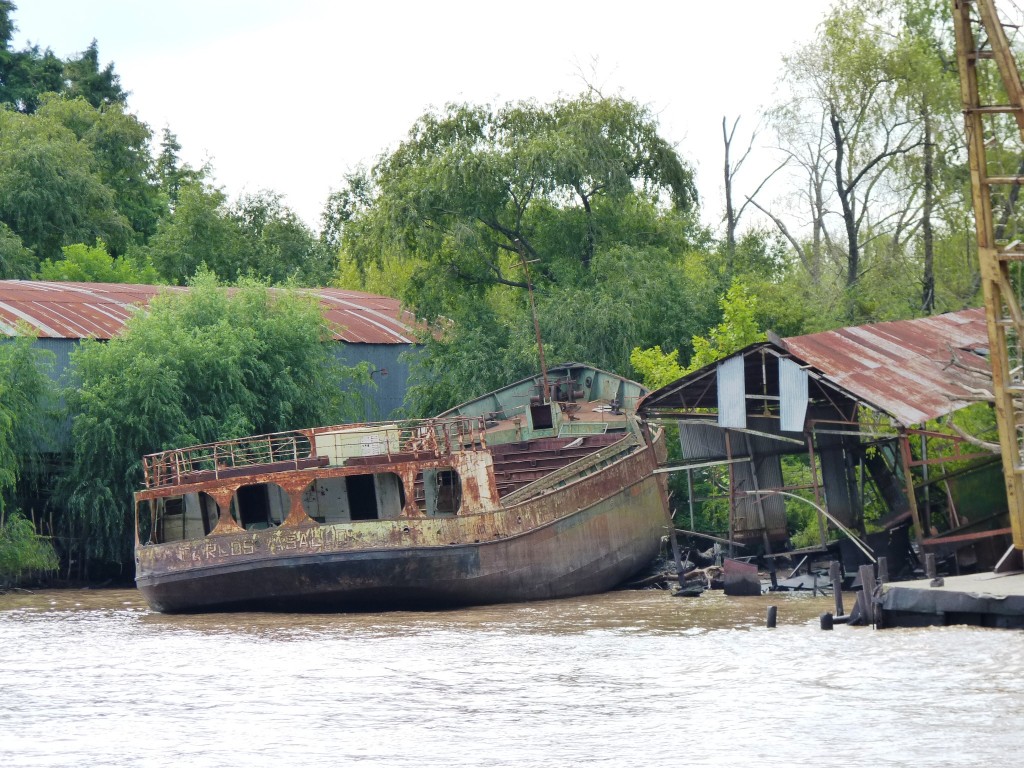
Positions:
{"x": 60, "y": 310}
{"x": 913, "y": 370}
{"x": 905, "y": 367}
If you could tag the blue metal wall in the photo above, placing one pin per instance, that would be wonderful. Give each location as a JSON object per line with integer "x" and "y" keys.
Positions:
{"x": 389, "y": 374}
{"x": 382, "y": 402}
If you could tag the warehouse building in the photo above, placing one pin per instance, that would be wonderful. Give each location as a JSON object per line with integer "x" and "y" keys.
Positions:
{"x": 369, "y": 328}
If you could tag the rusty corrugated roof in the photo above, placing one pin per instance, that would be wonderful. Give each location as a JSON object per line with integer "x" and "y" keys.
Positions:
{"x": 915, "y": 370}
{"x": 59, "y": 310}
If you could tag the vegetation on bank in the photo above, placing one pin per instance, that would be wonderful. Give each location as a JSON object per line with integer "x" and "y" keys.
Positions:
{"x": 581, "y": 201}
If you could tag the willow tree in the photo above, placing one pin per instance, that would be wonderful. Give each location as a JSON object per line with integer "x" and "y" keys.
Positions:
{"x": 27, "y": 408}
{"x": 474, "y": 191}
{"x": 197, "y": 367}
{"x": 581, "y": 200}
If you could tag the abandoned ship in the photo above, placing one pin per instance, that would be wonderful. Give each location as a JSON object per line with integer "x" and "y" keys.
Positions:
{"x": 543, "y": 489}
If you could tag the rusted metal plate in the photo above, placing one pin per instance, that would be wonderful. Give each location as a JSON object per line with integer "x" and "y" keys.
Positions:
{"x": 60, "y": 310}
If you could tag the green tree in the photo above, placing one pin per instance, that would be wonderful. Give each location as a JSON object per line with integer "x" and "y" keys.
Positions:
{"x": 475, "y": 191}
{"x": 22, "y": 551}
{"x": 737, "y": 330}
{"x": 872, "y": 123}
{"x": 51, "y": 194}
{"x": 84, "y": 78}
{"x": 93, "y": 264}
{"x": 197, "y": 367}
{"x": 257, "y": 236}
{"x": 649, "y": 283}
{"x": 28, "y": 74}
{"x": 16, "y": 261}
{"x": 198, "y": 233}
{"x": 27, "y": 408}
{"x": 25, "y": 74}
{"x": 656, "y": 368}
{"x": 280, "y": 246}
{"x": 579, "y": 200}
{"x": 119, "y": 145}
{"x": 26, "y": 413}
{"x": 171, "y": 173}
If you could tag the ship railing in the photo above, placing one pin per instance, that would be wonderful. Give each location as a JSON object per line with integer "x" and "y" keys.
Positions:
{"x": 305, "y": 448}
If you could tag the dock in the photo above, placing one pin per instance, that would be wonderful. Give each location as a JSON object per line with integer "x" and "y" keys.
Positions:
{"x": 979, "y": 599}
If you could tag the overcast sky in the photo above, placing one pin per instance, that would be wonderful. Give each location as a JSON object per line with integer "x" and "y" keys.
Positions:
{"x": 289, "y": 95}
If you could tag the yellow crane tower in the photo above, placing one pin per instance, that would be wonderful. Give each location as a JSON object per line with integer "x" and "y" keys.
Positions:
{"x": 993, "y": 105}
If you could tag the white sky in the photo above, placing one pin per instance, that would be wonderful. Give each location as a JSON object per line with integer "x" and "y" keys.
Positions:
{"x": 290, "y": 94}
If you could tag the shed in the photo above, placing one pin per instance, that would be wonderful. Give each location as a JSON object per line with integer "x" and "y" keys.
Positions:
{"x": 861, "y": 402}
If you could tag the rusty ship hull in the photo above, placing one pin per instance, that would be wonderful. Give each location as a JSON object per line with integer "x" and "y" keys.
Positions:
{"x": 488, "y": 503}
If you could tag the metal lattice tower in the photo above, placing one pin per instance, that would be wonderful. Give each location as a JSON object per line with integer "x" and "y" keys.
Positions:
{"x": 993, "y": 104}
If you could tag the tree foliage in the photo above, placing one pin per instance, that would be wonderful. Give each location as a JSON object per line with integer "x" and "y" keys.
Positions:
{"x": 27, "y": 409}
{"x": 28, "y": 74}
{"x": 872, "y": 131}
{"x": 737, "y": 330}
{"x": 118, "y": 145}
{"x": 257, "y": 236}
{"x": 93, "y": 264}
{"x": 51, "y": 194}
{"x": 16, "y": 261}
{"x": 205, "y": 365}
{"x": 22, "y": 551}
{"x": 27, "y": 419}
{"x": 579, "y": 200}
{"x": 474, "y": 191}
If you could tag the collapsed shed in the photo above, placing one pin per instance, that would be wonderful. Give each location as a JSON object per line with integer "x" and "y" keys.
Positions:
{"x": 870, "y": 408}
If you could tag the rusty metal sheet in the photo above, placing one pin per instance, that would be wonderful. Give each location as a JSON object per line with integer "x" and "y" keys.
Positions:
{"x": 913, "y": 370}
{"x": 367, "y": 318}
{"x": 66, "y": 310}
{"x": 904, "y": 367}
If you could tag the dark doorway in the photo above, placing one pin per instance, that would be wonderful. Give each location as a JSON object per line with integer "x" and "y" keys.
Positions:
{"x": 362, "y": 497}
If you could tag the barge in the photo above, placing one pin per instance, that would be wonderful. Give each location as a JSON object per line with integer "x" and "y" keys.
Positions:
{"x": 542, "y": 489}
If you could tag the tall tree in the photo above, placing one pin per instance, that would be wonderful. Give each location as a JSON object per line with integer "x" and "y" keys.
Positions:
{"x": 26, "y": 74}
{"x": 280, "y": 245}
{"x": 119, "y": 145}
{"x": 475, "y": 191}
{"x": 84, "y": 78}
{"x": 870, "y": 121}
{"x": 848, "y": 78}
{"x": 731, "y": 168}
{"x": 198, "y": 233}
{"x": 51, "y": 194}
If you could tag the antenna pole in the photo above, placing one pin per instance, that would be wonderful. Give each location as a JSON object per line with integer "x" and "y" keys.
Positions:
{"x": 536, "y": 326}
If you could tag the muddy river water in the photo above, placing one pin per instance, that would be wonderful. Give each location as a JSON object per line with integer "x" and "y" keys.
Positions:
{"x": 93, "y": 678}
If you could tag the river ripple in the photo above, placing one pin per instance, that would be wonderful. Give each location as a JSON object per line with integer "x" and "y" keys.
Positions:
{"x": 93, "y": 678}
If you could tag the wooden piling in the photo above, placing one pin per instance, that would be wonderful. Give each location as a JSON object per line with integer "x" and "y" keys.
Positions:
{"x": 825, "y": 620}
{"x": 883, "y": 570}
{"x": 867, "y": 580}
{"x": 772, "y": 615}
{"x": 836, "y": 575}
{"x": 929, "y": 565}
